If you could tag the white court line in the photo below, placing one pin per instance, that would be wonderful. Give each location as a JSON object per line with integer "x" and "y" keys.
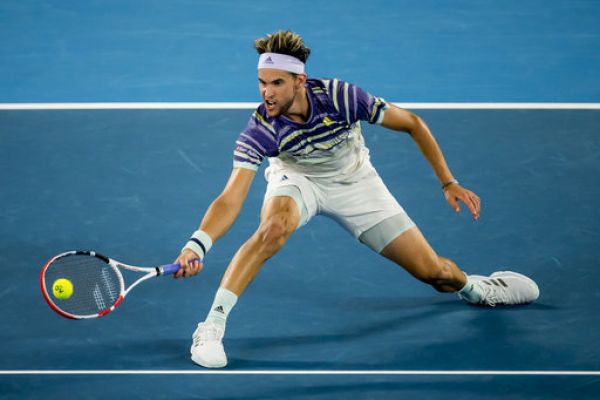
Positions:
{"x": 128, "y": 106}
{"x": 299, "y": 372}
{"x": 253, "y": 105}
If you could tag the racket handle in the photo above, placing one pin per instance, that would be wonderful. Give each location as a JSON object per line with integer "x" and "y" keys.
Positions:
{"x": 169, "y": 269}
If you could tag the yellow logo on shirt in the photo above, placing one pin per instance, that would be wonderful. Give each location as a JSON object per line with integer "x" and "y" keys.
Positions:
{"x": 327, "y": 121}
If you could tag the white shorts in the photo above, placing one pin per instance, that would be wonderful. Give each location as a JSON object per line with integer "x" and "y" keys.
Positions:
{"x": 362, "y": 204}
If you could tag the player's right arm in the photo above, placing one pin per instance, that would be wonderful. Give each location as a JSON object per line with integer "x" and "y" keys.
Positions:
{"x": 219, "y": 217}
{"x": 224, "y": 210}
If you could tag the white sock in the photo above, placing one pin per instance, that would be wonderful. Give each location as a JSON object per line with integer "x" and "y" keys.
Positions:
{"x": 471, "y": 292}
{"x": 221, "y": 307}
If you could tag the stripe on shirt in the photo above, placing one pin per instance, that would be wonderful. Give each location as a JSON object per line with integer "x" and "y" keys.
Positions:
{"x": 346, "y": 102}
{"x": 246, "y": 156}
{"x": 254, "y": 142}
{"x": 245, "y": 165}
{"x": 354, "y": 102}
{"x": 295, "y": 134}
{"x": 334, "y": 90}
{"x": 378, "y": 105}
{"x": 267, "y": 125}
{"x": 329, "y": 135}
{"x": 249, "y": 148}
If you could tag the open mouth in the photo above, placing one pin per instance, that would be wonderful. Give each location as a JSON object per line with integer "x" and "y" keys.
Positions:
{"x": 270, "y": 105}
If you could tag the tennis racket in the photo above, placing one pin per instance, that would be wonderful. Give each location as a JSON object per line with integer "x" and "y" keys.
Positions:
{"x": 97, "y": 284}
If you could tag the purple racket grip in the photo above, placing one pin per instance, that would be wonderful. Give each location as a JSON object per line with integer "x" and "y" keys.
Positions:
{"x": 169, "y": 269}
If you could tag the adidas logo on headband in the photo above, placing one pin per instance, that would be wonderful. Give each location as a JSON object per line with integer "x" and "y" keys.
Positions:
{"x": 282, "y": 62}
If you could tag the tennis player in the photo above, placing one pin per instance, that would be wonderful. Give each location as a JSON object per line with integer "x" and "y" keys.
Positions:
{"x": 309, "y": 129}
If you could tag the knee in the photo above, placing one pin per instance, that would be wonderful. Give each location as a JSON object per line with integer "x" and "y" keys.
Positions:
{"x": 272, "y": 233}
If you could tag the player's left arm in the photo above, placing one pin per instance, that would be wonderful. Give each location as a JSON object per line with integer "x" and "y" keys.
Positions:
{"x": 401, "y": 120}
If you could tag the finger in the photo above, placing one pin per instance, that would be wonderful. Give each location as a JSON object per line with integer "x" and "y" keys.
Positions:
{"x": 454, "y": 203}
{"x": 179, "y": 272}
{"x": 185, "y": 267}
{"x": 199, "y": 266}
{"x": 187, "y": 270}
{"x": 192, "y": 268}
{"x": 477, "y": 201}
{"x": 176, "y": 262}
{"x": 469, "y": 203}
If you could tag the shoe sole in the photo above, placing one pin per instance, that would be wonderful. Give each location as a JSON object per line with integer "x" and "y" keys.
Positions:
{"x": 205, "y": 364}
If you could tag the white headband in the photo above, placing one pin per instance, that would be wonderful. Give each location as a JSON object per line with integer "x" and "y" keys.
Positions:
{"x": 282, "y": 62}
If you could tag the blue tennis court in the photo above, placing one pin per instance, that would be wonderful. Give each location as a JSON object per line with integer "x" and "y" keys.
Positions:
{"x": 326, "y": 318}
{"x": 90, "y": 181}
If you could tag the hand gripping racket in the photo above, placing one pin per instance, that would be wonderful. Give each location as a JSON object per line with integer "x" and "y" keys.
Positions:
{"x": 97, "y": 283}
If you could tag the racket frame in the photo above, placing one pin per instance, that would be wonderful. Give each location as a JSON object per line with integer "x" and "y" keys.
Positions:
{"x": 150, "y": 272}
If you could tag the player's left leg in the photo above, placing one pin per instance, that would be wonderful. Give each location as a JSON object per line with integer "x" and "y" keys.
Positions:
{"x": 355, "y": 205}
{"x": 412, "y": 251}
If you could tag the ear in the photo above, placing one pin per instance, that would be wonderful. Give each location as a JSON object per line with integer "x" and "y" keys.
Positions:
{"x": 301, "y": 79}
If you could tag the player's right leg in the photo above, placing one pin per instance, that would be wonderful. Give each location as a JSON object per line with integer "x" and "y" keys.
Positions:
{"x": 279, "y": 219}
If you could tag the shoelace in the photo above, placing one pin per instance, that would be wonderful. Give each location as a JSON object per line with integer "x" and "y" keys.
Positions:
{"x": 493, "y": 294}
{"x": 206, "y": 333}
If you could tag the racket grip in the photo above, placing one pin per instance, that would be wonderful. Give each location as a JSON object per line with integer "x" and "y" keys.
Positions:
{"x": 169, "y": 269}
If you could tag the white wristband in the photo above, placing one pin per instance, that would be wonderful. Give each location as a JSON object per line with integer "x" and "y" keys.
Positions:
{"x": 200, "y": 243}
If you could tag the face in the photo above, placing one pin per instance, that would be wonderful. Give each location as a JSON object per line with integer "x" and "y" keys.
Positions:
{"x": 278, "y": 90}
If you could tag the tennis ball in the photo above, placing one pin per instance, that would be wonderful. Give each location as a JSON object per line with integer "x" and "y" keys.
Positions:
{"x": 62, "y": 288}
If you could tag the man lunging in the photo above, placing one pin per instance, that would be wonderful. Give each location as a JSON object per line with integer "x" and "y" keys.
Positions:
{"x": 309, "y": 129}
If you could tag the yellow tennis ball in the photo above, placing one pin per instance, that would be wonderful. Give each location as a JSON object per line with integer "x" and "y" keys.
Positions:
{"x": 62, "y": 288}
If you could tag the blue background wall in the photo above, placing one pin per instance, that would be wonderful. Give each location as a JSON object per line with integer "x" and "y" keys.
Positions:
{"x": 408, "y": 51}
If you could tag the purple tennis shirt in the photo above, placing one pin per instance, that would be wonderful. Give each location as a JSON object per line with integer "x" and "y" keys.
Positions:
{"x": 329, "y": 143}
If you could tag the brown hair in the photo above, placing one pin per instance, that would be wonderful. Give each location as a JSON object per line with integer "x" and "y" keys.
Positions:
{"x": 283, "y": 42}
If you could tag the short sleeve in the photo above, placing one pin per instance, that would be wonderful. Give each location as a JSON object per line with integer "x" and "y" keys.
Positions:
{"x": 355, "y": 104}
{"x": 254, "y": 143}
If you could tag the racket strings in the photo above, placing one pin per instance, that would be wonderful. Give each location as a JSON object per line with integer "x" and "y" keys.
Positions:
{"x": 96, "y": 284}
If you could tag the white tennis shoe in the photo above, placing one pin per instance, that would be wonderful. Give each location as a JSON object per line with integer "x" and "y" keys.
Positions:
{"x": 207, "y": 347}
{"x": 505, "y": 288}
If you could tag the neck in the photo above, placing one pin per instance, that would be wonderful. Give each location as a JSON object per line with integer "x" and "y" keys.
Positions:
{"x": 300, "y": 109}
